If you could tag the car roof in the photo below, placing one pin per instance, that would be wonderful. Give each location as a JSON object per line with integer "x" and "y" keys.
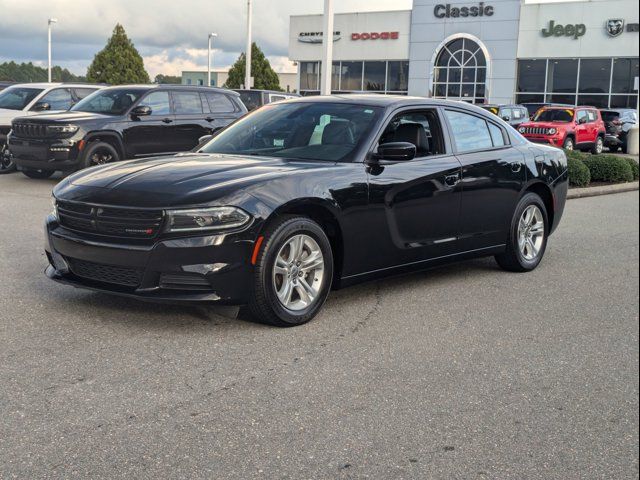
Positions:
{"x": 384, "y": 101}
{"x": 44, "y": 85}
{"x": 172, "y": 86}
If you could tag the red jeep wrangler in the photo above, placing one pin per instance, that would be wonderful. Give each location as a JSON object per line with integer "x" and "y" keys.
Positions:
{"x": 571, "y": 128}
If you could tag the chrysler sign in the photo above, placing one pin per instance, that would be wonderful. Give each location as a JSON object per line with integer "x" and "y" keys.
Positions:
{"x": 315, "y": 37}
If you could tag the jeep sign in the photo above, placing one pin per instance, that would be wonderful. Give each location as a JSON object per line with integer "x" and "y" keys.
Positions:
{"x": 576, "y": 31}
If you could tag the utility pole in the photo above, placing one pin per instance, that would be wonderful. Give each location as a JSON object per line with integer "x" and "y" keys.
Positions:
{"x": 247, "y": 55}
{"x": 211, "y": 36}
{"x": 327, "y": 46}
{"x": 51, "y": 22}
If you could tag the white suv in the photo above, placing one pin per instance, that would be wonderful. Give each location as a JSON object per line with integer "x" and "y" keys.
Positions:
{"x": 32, "y": 98}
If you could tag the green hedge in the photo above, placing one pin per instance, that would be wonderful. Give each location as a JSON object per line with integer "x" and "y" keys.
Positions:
{"x": 635, "y": 168}
{"x": 609, "y": 168}
{"x": 579, "y": 175}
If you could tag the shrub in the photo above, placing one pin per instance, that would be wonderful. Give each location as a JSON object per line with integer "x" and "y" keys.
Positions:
{"x": 579, "y": 175}
{"x": 609, "y": 168}
{"x": 635, "y": 168}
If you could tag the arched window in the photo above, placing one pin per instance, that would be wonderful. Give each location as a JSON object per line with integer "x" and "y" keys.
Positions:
{"x": 460, "y": 72}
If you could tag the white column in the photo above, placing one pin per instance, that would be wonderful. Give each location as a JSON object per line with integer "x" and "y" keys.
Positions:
{"x": 327, "y": 48}
{"x": 50, "y": 22}
{"x": 247, "y": 77}
{"x": 209, "y": 62}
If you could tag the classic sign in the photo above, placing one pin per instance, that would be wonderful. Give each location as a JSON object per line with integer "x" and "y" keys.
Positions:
{"x": 572, "y": 30}
{"x": 447, "y": 11}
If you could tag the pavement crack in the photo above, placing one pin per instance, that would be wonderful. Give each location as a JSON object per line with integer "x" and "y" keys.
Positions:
{"x": 377, "y": 294}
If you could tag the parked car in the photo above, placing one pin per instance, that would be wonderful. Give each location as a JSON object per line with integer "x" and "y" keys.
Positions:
{"x": 121, "y": 122}
{"x": 253, "y": 99}
{"x": 307, "y": 195}
{"x": 570, "y": 128}
{"x": 4, "y": 85}
{"x": 30, "y": 99}
{"x": 618, "y": 123}
{"x": 533, "y": 107}
{"x": 514, "y": 115}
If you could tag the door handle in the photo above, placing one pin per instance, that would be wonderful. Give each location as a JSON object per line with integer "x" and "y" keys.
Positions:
{"x": 516, "y": 167}
{"x": 166, "y": 120}
{"x": 210, "y": 119}
{"x": 452, "y": 180}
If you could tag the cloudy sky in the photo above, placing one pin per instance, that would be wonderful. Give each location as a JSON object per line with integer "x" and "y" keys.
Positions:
{"x": 171, "y": 35}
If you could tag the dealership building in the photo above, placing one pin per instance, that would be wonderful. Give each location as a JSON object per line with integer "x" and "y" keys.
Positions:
{"x": 496, "y": 51}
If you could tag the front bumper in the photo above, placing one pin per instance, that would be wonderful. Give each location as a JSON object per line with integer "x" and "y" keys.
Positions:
{"x": 45, "y": 154}
{"x": 212, "y": 268}
{"x": 553, "y": 141}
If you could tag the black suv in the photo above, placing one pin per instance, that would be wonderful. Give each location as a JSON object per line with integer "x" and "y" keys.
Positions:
{"x": 121, "y": 122}
{"x": 253, "y": 99}
{"x": 618, "y": 122}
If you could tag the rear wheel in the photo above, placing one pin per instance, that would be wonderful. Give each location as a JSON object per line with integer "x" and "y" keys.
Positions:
{"x": 98, "y": 153}
{"x": 568, "y": 144}
{"x": 6, "y": 160}
{"x": 39, "y": 174}
{"x": 528, "y": 236}
{"x": 598, "y": 147}
{"x": 293, "y": 273}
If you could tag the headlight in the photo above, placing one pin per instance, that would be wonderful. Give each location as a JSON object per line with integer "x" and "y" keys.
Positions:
{"x": 522, "y": 130}
{"x": 217, "y": 218}
{"x": 57, "y": 129}
{"x": 54, "y": 208}
{"x": 553, "y": 131}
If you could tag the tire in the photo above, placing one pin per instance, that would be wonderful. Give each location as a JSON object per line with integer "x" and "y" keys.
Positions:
{"x": 38, "y": 174}
{"x": 7, "y": 165}
{"x": 98, "y": 153}
{"x": 569, "y": 144}
{"x": 598, "y": 147}
{"x": 515, "y": 259}
{"x": 265, "y": 305}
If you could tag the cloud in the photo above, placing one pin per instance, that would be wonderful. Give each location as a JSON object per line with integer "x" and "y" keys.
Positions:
{"x": 168, "y": 34}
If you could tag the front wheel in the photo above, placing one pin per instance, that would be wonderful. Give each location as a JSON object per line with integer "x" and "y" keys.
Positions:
{"x": 527, "y": 237}
{"x": 598, "y": 147}
{"x": 293, "y": 273}
{"x": 98, "y": 153}
{"x": 6, "y": 160}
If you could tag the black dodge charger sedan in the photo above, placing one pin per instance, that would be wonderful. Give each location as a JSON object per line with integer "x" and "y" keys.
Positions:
{"x": 305, "y": 195}
{"x": 121, "y": 122}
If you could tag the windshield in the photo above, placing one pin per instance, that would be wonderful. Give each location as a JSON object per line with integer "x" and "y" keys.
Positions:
{"x": 554, "y": 115}
{"x": 302, "y": 130}
{"x": 251, "y": 100}
{"x": 16, "y": 98}
{"x": 109, "y": 102}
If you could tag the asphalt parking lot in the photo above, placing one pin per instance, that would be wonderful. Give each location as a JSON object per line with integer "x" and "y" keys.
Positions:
{"x": 460, "y": 372}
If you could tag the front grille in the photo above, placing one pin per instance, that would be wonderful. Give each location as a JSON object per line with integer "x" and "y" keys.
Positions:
{"x": 128, "y": 277}
{"x": 184, "y": 281}
{"x": 536, "y": 131}
{"x": 114, "y": 222}
{"x": 30, "y": 130}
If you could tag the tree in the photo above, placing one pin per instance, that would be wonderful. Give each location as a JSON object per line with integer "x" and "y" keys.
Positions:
{"x": 167, "y": 79}
{"x": 265, "y": 78}
{"x": 28, "y": 72}
{"x": 118, "y": 62}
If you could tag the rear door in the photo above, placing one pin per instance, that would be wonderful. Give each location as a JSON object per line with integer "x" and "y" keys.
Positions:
{"x": 493, "y": 175}
{"x": 582, "y": 127}
{"x": 151, "y": 135}
{"x": 190, "y": 123}
{"x": 220, "y": 110}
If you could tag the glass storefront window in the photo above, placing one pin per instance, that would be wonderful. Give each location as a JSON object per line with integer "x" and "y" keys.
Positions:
{"x": 374, "y": 76}
{"x": 530, "y": 98}
{"x": 562, "y": 76}
{"x": 559, "y": 98}
{"x": 532, "y": 75}
{"x": 595, "y": 75}
{"x": 309, "y": 75}
{"x": 398, "y": 77}
{"x": 600, "y": 101}
{"x": 335, "y": 76}
{"x": 351, "y": 76}
{"x": 460, "y": 71}
{"x": 624, "y": 101}
{"x": 624, "y": 72}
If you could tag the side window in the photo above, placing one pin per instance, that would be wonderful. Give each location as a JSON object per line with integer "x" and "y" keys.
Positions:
{"x": 592, "y": 116}
{"x": 186, "y": 103}
{"x": 276, "y": 98}
{"x": 582, "y": 116}
{"x": 59, "y": 99}
{"x": 506, "y": 112}
{"x": 469, "y": 132}
{"x": 421, "y": 128}
{"x": 497, "y": 136}
{"x": 83, "y": 92}
{"x": 159, "y": 103}
{"x": 517, "y": 114}
{"x": 219, "y": 103}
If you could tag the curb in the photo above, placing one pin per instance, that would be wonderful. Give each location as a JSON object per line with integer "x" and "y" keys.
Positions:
{"x": 601, "y": 190}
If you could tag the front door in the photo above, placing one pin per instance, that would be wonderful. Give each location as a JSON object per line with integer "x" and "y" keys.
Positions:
{"x": 493, "y": 174}
{"x": 415, "y": 204}
{"x": 148, "y": 135}
{"x": 582, "y": 127}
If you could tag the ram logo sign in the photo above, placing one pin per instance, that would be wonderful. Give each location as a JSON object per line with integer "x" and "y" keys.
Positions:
{"x": 615, "y": 27}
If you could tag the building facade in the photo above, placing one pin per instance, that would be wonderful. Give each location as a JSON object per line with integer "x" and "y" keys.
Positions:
{"x": 494, "y": 51}
{"x": 288, "y": 81}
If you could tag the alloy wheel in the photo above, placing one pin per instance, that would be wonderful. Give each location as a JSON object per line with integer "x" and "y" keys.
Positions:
{"x": 6, "y": 162}
{"x": 599, "y": 145}
{"x": 298, "y": 273}
{"x": 100, "y": 157}
{"x": 568, "y": 145}
{"x": 531, "y": 232}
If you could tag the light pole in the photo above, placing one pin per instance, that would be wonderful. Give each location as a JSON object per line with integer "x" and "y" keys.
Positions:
{"x": 247, "y": 55}
{"x": 211, "y": 35}
{"x": 51, "y": 22}
{"x": 327, "y": 47}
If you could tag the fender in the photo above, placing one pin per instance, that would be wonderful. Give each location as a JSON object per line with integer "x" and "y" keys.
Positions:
{"x": 112, "y": 134}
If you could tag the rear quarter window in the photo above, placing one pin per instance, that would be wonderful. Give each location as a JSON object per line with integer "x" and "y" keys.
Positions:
{"x": 219, "y": 103}
{"x": 187, "y": 103}
{"x": 469, "y": 132}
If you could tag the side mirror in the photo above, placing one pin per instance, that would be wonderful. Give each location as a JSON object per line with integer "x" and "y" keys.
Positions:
{"x": 396, "y": 151}
{"x": 204, "y": 139}
{"x": 506, "y": 118}
{"x": 582, "y": 121}
{"x": 41, "y": 107}
{"x": 141, "y": 111}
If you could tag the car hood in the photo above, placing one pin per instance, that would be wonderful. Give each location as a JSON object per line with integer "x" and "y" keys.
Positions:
{"x": 544, "y": 124}
{"x": 180, "y": 180}
{"x": 7, "y": 115}
{"x": 66, "y": 117}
